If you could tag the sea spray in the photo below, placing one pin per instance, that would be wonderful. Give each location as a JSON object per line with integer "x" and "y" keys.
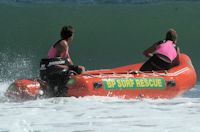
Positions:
{"x": 15, "y": 66}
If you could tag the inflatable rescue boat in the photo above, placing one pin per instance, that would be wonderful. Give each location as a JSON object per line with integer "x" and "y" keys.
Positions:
{"x": 124, "y": 82}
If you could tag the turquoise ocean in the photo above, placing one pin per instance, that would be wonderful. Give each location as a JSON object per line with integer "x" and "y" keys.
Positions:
{"x": 108, "y": 34}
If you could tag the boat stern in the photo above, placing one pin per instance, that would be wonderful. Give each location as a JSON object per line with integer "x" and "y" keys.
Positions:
{"x": 24, "y": 89}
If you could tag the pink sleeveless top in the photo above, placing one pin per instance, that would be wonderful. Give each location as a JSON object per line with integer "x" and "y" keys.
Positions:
{"x": 167, "y": 49}
{"x": 52, "y": 53}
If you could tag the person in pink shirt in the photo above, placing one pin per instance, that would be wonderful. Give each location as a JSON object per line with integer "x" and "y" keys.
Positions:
{"x": 58, "y": 67}
{"x": 61, "y": 49}
{"x": 163, "y": 54}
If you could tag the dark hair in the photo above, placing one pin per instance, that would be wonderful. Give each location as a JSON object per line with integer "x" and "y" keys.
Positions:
{"x": 171, "y": 35}
{"x": 66, "y": 32}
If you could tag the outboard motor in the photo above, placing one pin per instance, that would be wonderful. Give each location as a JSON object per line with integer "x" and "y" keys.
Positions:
{"x": 55, "y": 73}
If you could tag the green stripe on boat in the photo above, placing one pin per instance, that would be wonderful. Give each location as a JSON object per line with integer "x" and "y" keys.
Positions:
{"x": 134, "y": 83}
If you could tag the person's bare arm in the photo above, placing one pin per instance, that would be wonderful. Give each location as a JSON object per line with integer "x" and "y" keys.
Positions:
{"x": 150, "y": 51}
{"x": 60, "y": 47}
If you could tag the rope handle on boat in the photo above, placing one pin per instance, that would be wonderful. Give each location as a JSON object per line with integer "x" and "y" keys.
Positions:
{"x": 149, "y": 73}
{"x": 161, "y": 73}
{"x": 134, "y": 72}
{"x": 115, "y": 73}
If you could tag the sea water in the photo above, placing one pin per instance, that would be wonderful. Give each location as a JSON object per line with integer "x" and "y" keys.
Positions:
{"x": 99, "y": 114}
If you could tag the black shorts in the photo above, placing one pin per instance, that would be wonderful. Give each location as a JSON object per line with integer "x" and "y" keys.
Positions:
{"x": 155, "y": 63}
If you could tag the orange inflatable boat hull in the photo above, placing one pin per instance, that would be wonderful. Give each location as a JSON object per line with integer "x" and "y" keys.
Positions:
{"x": 124, "y": 82}
{"x": 128, "y": 82}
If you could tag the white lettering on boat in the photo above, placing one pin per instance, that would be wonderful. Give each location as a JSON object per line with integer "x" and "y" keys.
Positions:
{"x": 56, "y": 63}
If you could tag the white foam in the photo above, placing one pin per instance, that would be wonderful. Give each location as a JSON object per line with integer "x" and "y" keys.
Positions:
{"x": 97, "y": 114}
